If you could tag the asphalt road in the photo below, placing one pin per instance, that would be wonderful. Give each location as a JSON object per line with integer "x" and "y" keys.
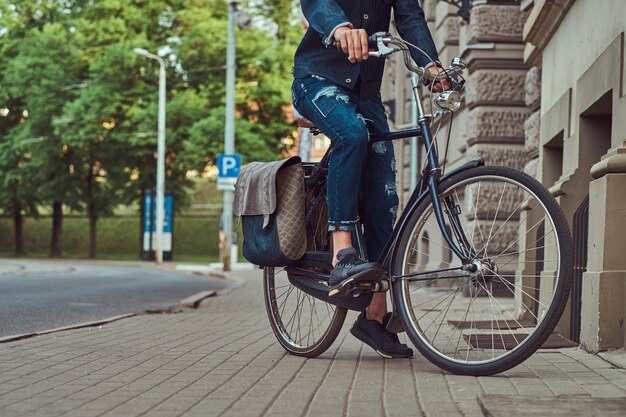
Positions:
{"x": 43, "y": 296}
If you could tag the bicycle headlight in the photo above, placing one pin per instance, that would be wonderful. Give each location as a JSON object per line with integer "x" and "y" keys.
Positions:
{"x": 449, "y": 100}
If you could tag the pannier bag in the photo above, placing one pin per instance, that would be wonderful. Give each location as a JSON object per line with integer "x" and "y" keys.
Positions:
{"x": 269, "y": 197}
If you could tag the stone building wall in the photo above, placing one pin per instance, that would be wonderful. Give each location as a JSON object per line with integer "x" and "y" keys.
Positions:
{"x": 532, "y": 98}
{"x": 492, "y": 119}
{"x": 576, "y": 133}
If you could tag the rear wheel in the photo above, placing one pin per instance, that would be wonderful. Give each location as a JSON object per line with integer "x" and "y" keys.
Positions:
{"x": 303, "y": 324}
{"x": 490, "y": 319}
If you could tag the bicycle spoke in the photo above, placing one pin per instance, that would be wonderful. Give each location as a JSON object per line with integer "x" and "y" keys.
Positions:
{"x": 488, "y": 314}
{"x": 427, "y": 284}
{"x": 436, "y": 259}
{"x": 446, "y": 296}
{"x": 513, "y": 212}
{"x": 503, "y": 309}
{"x": 506, "y": 284}
{"x": 442, "y": 312}
{"x": 480, "y": 232}
{"x": 495, "y": 216}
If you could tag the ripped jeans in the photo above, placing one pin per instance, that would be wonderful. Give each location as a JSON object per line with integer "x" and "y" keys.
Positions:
{"x": 356, "y": 166}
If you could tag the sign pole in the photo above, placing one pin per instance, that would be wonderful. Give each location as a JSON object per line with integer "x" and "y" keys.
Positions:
{"x": 229, "y": 130}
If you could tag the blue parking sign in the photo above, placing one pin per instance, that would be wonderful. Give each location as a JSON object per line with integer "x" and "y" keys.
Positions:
{"x": 228, "y": 165}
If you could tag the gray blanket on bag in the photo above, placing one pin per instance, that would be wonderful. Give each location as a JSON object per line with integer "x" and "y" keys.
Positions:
{"x": 255, "y": 189}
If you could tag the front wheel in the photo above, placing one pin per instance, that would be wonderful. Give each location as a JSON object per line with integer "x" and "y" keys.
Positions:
{"x": 495, "y": 315}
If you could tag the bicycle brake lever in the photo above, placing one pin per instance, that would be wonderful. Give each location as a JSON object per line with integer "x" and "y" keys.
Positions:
{"x": 379, "y": 54}
{"x": 383, "y": 49}
{"x": 379, "y": 38}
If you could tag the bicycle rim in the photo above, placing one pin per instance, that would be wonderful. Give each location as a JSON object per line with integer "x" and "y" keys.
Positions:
{"x": 491, "y": 320}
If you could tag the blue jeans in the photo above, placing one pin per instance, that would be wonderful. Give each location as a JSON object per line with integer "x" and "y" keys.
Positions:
{"x": 356, "y": 166}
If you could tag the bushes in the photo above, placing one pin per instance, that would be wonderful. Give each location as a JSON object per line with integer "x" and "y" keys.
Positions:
{"x": 120, "y": 237}
{"x": 195, "y": 237}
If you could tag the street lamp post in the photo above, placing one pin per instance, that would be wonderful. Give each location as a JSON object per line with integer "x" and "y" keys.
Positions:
{"x": 229, "y": 128}
{"x": 160, "y": 181}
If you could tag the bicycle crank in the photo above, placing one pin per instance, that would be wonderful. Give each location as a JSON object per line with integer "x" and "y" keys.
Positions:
{"x": 356, "y": 288}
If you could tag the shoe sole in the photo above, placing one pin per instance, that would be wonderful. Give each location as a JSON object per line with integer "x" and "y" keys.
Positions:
{"x": 368, "y": 275}
{"x": 362, "y": 336}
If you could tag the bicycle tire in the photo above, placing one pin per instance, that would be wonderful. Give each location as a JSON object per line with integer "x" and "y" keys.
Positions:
{"x": 300, "y": 328}
{"x": 512, "y": 314}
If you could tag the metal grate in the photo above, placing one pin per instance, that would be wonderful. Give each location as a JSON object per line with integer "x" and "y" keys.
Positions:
{"x": 539, "y": 266}
{"x": 580, "y": 235}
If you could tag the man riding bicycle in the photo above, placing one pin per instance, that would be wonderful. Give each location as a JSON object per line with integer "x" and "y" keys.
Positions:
{"x": 341, "y": 97}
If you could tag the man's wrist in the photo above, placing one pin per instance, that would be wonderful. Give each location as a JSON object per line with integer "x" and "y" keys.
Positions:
{"x": 331, "y": 36}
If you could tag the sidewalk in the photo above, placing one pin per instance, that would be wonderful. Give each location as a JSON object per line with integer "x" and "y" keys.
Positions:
{"x": 223, "y": 359}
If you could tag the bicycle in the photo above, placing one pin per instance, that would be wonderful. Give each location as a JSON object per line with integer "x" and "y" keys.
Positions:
{"x": 478, "y": 265}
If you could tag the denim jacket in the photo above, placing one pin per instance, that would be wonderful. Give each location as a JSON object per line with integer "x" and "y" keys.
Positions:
{"x": 316, "y": 56}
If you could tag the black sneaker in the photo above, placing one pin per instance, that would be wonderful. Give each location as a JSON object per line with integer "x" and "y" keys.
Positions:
{"x": 351, "y": 268}
{"x": 374, "y": 334}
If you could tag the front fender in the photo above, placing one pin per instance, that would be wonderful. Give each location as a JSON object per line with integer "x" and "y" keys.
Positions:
{"x": 476, "y": 162}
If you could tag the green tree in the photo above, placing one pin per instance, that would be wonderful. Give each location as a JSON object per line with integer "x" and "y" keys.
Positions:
{"x": 263, "y": 129}
{"x": 15, "y": 186}
{"x": 38, "y": 81}
{"x": 112, "y": 123}
{"x": 68, "y": 76}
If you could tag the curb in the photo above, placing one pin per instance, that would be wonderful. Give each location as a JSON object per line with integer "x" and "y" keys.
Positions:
{"x": 192, "y": 302}
{"x": 64, "y": 328}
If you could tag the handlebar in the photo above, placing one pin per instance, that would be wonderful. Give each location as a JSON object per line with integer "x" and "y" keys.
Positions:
{"x": 383, "y": 40}
{"x": 449, "y": 100}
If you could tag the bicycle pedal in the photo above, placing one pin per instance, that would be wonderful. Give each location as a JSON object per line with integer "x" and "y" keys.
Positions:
{"x": 356, "y": 288}
{"x": 372, "y": 286}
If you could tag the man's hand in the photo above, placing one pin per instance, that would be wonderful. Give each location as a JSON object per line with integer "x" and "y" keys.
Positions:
{"x": 443, "y": 84}
{"x": 352, "y": 42}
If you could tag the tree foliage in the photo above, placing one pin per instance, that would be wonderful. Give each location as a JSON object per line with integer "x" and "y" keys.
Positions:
{"x": 78, "y": 109}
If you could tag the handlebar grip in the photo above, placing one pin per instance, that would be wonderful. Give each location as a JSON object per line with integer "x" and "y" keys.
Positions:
{"x": 372, "y": 41}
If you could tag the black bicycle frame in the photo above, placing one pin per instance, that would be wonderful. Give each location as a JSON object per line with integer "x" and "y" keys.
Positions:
{"x": 428, "y": 184}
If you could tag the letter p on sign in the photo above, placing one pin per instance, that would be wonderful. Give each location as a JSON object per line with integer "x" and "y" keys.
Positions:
{"x": 228, "y": 167}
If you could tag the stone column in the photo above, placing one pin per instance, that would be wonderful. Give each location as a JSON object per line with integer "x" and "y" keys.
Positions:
{"x": 604, "y": 283}
{"x": 528, "y": 267}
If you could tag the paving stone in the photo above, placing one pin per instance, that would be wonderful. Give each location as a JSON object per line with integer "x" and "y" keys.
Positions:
{"x": 400, "y": 393}
{"x": 606, "y": 390}
{"x": 561, "y": 406}
{"x": 223, "y": 359}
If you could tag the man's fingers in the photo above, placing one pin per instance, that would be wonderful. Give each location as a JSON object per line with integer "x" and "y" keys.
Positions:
{"x": 364, "y": 46}
{"x": 350, "y": 47}
{"x": 442, "y": 85}
{"x": 344, "y": 46}
{"x": 353, "y": 42}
